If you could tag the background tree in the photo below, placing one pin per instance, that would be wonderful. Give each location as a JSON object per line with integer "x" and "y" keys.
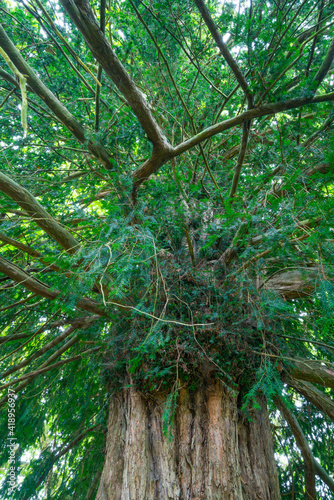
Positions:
{"x": 166, "y": 269}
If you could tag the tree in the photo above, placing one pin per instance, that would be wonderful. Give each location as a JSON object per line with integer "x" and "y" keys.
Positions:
{"x": 166, "y": 286}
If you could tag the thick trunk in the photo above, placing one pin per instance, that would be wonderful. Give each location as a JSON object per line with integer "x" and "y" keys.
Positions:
{"x": 213, "y": 454}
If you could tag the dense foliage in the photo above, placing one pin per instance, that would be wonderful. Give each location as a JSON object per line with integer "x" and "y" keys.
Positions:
{"x": 163, "y": 226}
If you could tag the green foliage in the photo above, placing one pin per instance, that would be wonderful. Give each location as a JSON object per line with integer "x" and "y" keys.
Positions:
{"x": 169, "y": 413}
{"x": 268, "y": 384}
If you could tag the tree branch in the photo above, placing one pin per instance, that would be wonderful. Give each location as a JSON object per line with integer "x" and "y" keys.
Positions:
{"x": 34, "y": 285}
{"x": 293, "y": 284}
{"x": 94, "y": 483}
{"x": 18, "y": 303}
{"x": 320, "y": 400}
{"x": 40, "y": 371}
{"x": 224, "y": 50}
{"x": 311, "y": 371}
{"x": 38, "y": 87}
{"x": 310, "y": 492}
{"x": 264, "y": 110}
{"x": 27, "y": 249}
{"x": 61, "y": 453}
{"x": 160, "y": 157}
{"x": 301, "y": 339}
{"x": 314, "y": 136}
{"x": 320, "y": 471}
{"x": 152, "y": 165}
{"x": 83, "y": 17}
{"x": 29, "y": 203}
{"x": 50, "y": 359}
{"x": 80, "y": 323}
{"x": 99, "y": 70}
{"x": 241, "y": 157}
{"x": 324, "y": 68}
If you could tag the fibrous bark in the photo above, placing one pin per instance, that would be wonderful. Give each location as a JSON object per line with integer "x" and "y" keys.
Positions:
{"x": 214, "y": 453}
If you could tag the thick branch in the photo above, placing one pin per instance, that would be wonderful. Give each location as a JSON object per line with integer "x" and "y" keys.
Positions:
{"x": 99, "y": 70}
{"x": 14, "y": 336}
{"x": 320, "y": 400}
{"x": 84, "y": 19}
{"x": 294, "y": 283}
{"x": 322, "y": 168}
{"x": 34, "y": 285}
{"x": 311, "y": 371}
{"x": 320, "y": 471}
{"x": 27, "y": 249}
{"x": 52, "y": 102}
{"x": 9, "y": 78}
{"x": 29, "y": 203}
{"x": 160, "y": 157}
{"x": 265, "y": 110}
{"x": 148, "y": 168}
{"x": 310, "y": 492}
{"x": 21, "y": 246}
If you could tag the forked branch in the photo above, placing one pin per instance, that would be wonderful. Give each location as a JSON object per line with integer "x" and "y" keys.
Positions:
{"x": 311, "y": 371}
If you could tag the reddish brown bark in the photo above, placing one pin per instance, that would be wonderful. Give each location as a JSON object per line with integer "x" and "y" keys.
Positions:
{"x": 214, "y": 452}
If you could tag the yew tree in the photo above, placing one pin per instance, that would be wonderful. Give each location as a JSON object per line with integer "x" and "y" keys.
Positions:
{"x": 166, "y": 234}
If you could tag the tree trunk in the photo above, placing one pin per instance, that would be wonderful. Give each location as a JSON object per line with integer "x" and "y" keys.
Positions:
{"x": 213, "y": 454}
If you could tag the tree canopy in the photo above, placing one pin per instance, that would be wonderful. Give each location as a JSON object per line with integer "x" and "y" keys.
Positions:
{"x": 166, "y": 211}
